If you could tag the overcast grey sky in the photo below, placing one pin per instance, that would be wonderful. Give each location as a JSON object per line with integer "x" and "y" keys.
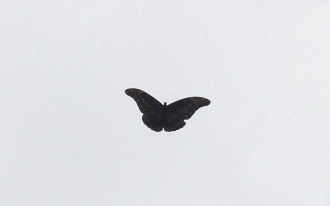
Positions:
{"x": 69, "y": 135}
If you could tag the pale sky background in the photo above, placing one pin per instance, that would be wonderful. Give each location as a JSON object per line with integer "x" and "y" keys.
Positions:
{"x": 69, "y": 135}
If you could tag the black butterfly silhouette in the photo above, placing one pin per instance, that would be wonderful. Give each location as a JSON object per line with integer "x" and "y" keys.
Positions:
{"x": 170, "y": 117}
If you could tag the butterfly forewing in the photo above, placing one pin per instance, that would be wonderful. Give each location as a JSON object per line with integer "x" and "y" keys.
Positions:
{"x": 188, "y": 106}
{"x": 144, "y": 101}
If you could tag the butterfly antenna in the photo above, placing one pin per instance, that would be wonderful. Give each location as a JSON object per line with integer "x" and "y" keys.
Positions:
{"x": 161, "y": 96}
{"x": 170, "y": 97}
{"x": 164, "y": 98}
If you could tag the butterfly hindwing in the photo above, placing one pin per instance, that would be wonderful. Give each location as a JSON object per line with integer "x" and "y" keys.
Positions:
{"x": 153, "y": 120}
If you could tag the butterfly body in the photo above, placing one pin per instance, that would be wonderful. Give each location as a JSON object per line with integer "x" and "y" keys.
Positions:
{"x": 170, "y": 117}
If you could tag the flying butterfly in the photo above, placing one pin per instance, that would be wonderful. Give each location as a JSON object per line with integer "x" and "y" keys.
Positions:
{"x": 168, "y": 117}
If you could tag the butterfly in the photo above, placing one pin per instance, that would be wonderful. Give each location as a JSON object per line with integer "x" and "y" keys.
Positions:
{"x": 170, "y": 117}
